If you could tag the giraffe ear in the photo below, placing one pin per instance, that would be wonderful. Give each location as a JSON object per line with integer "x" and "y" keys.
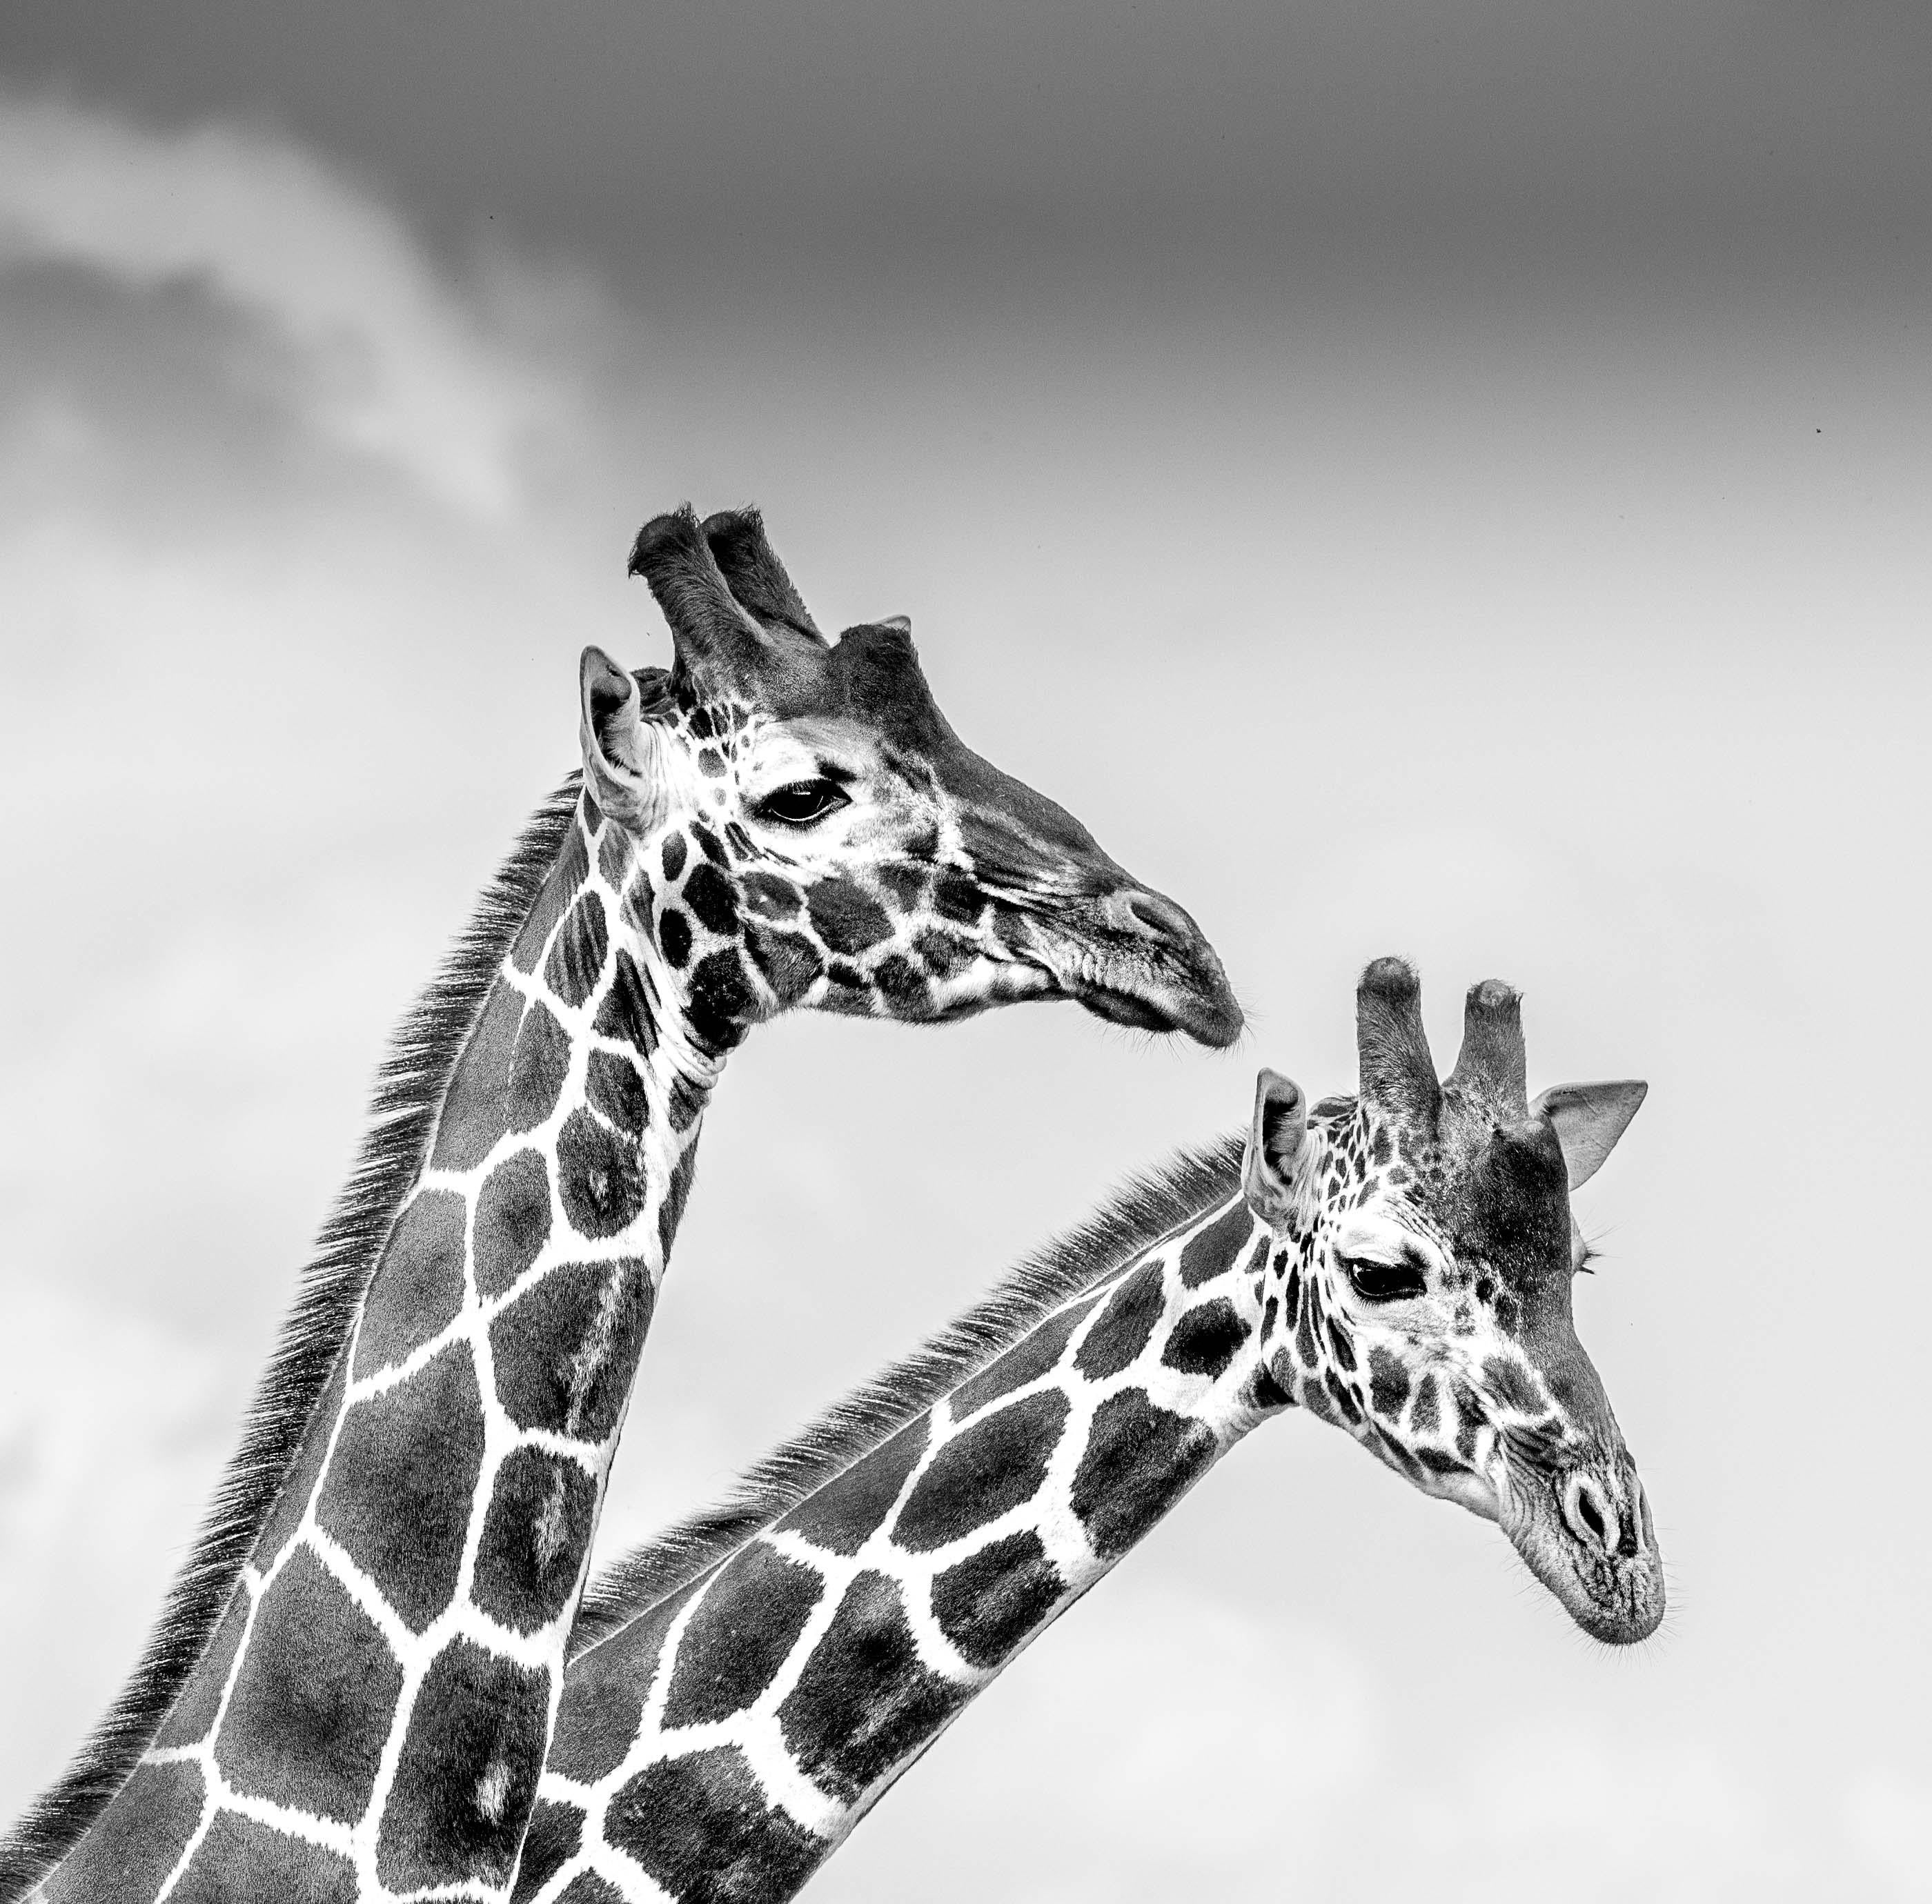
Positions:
{"x": 1589, "y": 1119}
{"x": 620, "y": 748}
{"x": 1274, "y": 1145}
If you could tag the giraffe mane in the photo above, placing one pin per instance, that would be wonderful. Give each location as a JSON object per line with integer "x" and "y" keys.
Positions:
{"x": 409, "y": 1086}
{"x": 1148, "y": 1207}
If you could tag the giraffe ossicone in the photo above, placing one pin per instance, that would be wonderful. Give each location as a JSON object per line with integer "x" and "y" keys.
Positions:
{"x": 1398, "y": 1263}
{"x": 351, "y": 1688}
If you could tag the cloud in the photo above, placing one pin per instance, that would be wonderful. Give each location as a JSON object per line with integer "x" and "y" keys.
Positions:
{"x": 1672, "y": 1817}
{"x": 102, "y": 1471}
{"x": 392, "y": 364}
{"x": 1888, "y": 1818}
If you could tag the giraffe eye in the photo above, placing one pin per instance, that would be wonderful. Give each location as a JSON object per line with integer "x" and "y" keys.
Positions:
{"x": 801, "y": 801}
{"x": 1383, "y": 1282}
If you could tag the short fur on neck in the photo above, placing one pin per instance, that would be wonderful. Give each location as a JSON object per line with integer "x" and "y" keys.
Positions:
{"x": 409, "y": 1087}
{"x": 1146, "y": 1209}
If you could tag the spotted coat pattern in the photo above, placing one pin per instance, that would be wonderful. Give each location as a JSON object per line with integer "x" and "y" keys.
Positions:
{"x": 369, "y": 1715}
{"x": 721, "y": 1743}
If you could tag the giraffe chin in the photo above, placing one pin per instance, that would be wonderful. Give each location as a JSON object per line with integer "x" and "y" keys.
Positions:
{"x": 1209, "y": 1017}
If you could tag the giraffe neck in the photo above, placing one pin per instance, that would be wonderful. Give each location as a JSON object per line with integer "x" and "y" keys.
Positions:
{"x": 371, "y": 1713}
{"x": 725, "y": 1739}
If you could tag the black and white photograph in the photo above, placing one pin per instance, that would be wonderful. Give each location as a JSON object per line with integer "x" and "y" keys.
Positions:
{"x": 1229, "y": 699}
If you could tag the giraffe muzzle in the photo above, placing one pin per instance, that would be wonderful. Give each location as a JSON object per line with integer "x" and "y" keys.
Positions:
{"x": 1587, "y": 1536}
{"x": 1150, "y": 967}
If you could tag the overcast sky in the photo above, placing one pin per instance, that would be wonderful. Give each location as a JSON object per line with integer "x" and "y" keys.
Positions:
{"x": 1451, "y": 480}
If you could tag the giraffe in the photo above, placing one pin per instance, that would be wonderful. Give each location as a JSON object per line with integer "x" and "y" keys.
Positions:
{"x": 1398, "y": 1263}
{"x": 351, "y": 1688}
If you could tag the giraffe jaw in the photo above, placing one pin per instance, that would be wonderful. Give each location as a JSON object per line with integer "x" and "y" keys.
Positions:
{"x": 1214, "y": 1022}
{"x": 1159, "y": 993}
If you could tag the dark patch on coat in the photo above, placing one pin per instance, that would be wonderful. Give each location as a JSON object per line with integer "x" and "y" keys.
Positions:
{"x": 940, "y": 956}
{"x": 901, "y": 983}
{"x": 625, "y": 1014}
{"x": 672, "y": 855}
{"x": 992, "y": 1465}
{"x": 846, "y": 916}
{"x": 772, "y": 898}
{"x": 314, "y": 1699}
{"x": 467, "y": 1775}
{"x": 604, "y": 1692}
{"x": 576, "y": 960}
{"x": 616, "y": 1091}
{"x": 475, "y": 1110}
{"x": 674, "y": 935}
{"x": 739, "y": 1634}
{"x": 1304, "y": 1330}
{"x": 987, "y": 1603}
{"x": 1124, "y": 1325}
{"x": 566, "y": 1349}
{"x": 600, "y": 1177}
{"x": 537, "y": 1067}
{"x": 722, "y": 1001}
{"x": 1206, "y": 1339}
{"x": 708, "y": 893}
{"x": 845, "y": 1512}
{"x": 417, "y": 1286}
{"x": 1215, "y": 1249}
{"x": 1388, "y": 1383}
{"x": 1266, "y": 1392}
{"x": 535, "y": 1534}
{"x": 555, "y": 1837}
{"x": 1027, "y": 1360}
{"x": 864, "y": 1701}
{"x": 241, "y": 1862}
{"x": 1342, "y": 1343}
{"x": 702, "y": 1827}
{"x": 788, "y": 962}
{"x": 400, "y": 1486}
{"x": 512, "y": 1220}
{"x": 1423, "y": 1414}
{"x": 136, "y": 1842}
{"x": 193, "y": 1712}
{"x": 1139, "y": 1460}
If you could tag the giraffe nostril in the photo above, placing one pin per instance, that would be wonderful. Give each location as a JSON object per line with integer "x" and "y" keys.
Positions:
{"x": 1158, "y": 916}
{"x": 1589, "y": 1512}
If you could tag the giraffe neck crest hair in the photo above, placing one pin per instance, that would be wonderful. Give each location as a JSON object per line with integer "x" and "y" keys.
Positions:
{"x": 353, "y": 1688}
{"x": 1146, "y": 1209}
{"x": 408, "y": 1092}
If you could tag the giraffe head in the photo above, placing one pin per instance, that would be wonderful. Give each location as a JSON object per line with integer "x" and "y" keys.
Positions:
{"x": 807, "y": 829}
{"x": 1422, "y": 1300}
